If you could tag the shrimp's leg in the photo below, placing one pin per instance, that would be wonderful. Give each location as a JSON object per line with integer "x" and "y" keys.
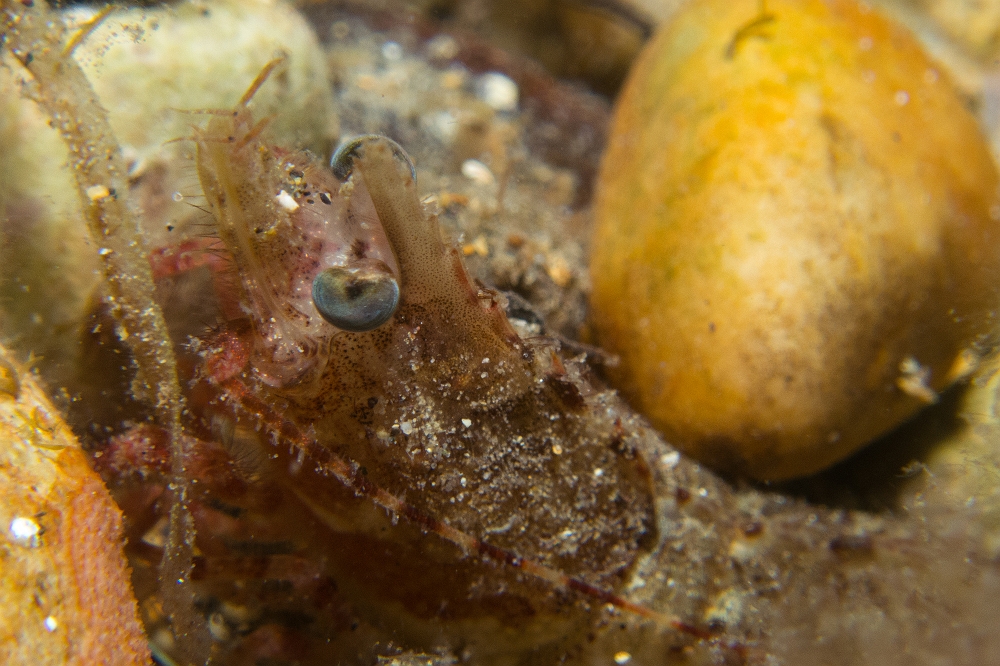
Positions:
{"x": 351, "y": 476}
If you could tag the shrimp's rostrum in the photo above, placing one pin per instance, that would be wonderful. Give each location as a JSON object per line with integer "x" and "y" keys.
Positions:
{"x": 513, "y": 483}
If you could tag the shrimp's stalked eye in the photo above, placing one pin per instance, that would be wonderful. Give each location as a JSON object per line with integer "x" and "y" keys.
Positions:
{"x": 342, "y": 161}
{"x": 358, "y": 297}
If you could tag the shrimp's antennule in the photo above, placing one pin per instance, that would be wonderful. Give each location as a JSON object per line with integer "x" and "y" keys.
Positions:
{"x": 261, "y": 78}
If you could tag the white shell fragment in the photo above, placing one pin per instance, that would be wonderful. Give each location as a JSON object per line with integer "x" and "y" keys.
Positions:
{"x": 477, "y": 172}
{"x": 97, "y": 192}
{"x": 286, "y": 201}
{"x": 498, "y": 91}
{"x": 25, "y": 531}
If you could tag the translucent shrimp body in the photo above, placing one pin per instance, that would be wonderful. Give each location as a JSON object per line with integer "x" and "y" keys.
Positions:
{"x": 438, "y": 413}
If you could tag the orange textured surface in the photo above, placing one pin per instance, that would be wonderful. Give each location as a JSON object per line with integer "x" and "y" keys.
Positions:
{"x": 65, "y": 596}
{"x": 794, "y": 249}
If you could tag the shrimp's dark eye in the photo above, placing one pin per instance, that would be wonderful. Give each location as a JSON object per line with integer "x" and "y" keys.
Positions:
{"x": 358, "y": 297}
{"x": 342, "y": 162}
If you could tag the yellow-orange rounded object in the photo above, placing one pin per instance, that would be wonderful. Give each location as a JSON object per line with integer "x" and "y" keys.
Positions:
{"x": 796, "y": 244}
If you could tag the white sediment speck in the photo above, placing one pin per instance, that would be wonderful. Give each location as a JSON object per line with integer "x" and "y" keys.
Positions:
{"x": 25, "y": 531}
{"x": 467, "y": 423}
{"x": 392, "y": 51}
{"x": 286, "y": 201}
{"x": 51, "y": 623}
{"x": 477, "y": 172}
{"x": 406, "y": 427}
{"x": 97, "y": 192}
{"x": 442, "y": 47}
{"x": 902, "y": 97}
{"x": 443, "y": 125}
{"x": 498, "y": 91}
{"x": 914, "y": 380}
{"x": 670, "y": 460}
{"x": 622, "y": 657}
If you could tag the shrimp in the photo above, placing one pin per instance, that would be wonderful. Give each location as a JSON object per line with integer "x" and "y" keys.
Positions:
{"x": 360, "y": 369}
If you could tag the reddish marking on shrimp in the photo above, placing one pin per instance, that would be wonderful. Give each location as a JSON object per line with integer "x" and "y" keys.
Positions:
{"x": 188, "y": 255}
